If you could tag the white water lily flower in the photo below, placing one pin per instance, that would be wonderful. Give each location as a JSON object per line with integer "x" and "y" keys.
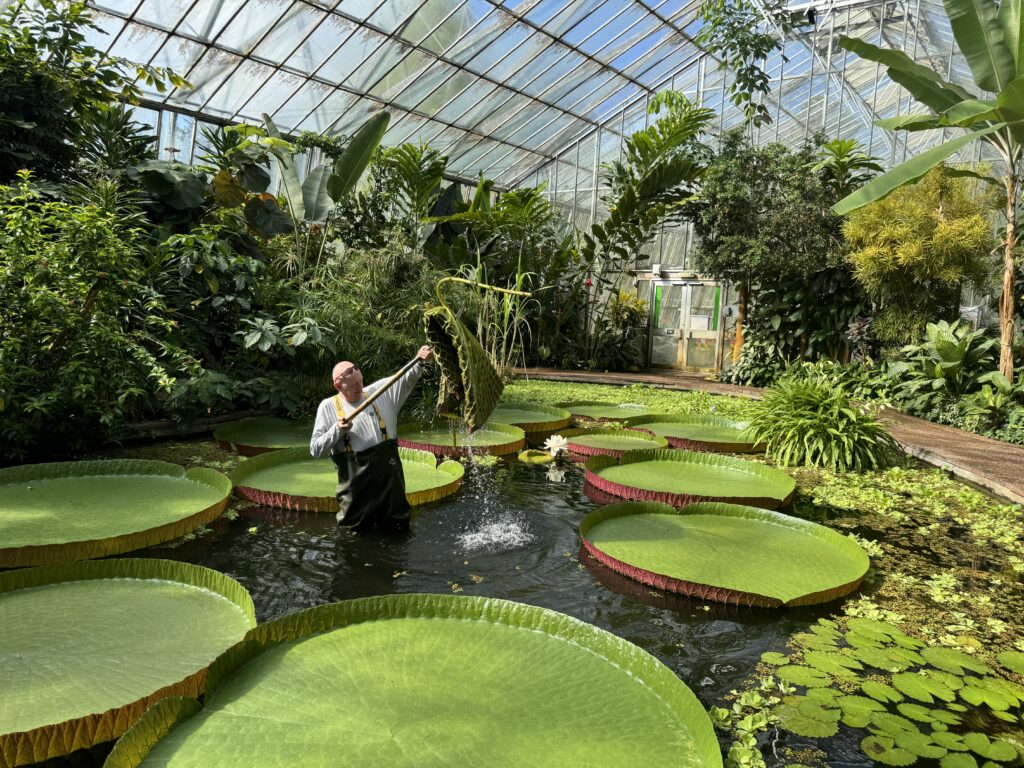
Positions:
{"x": 555, "y": 475}
{"x": 556, "y": 444}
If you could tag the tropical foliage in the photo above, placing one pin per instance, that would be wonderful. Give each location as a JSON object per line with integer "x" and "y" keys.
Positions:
{"x": 989, "y": 36}
{"x": 56, "y": 90}
{"x": 810, "y": 420}
{"x": 916, "y": 249}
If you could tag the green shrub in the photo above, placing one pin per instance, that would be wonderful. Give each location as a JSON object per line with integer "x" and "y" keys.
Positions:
{"x": 811, "y": 421}
{"x": 950, "y": 362}
{"x": 83, "y": 337}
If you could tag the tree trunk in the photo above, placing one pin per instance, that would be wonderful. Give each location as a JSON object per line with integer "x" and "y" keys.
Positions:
{"x": 1006, "y": 301}
{"x": 741, "y": 321}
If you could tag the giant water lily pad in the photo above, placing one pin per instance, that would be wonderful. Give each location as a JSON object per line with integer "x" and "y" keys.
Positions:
{"x": 86, "y": 648}
{"x": 78, "y": 510}
{"x": 610, "y": 442}
{"x": 495, "y": 439}
{"x": 251, "y": 437}
{"x": 699, "y": 432}
{"x": 726, "y": 552}
{"x": 537, "y": 421}
{"x": 430, "y": 680}
{"x": 595, "y": 410}
{"x": 292, "y": 479}
{"x": 681, "y": 477}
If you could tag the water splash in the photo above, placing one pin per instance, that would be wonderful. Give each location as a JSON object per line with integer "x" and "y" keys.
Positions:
{"x": 495, "y": 527}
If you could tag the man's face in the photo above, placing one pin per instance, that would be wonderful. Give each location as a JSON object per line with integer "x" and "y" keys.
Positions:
{"x": 348, "y": 380}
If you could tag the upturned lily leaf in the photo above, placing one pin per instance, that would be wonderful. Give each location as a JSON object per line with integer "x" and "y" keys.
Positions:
{"x": 79, "y": 510}
{"x": 470, "y": 387}
{"x": 610, "y": 442}
{"x": 595, "y": 410}
{"x": 250, "y": 437}
{"x": 86, "y": 647}
{"x": 727, "y": 553}
{"x": 291, "y": 479}
{"x": 698, "y": 432}
{"x": 494, "y": 439}
{"x": 534, "y": 419}
{"x": 680, "y": 477}
{"x": 414, "y": 680}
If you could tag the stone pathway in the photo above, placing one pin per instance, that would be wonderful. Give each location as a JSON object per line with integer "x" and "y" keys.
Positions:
{"x": 994, "y": 465}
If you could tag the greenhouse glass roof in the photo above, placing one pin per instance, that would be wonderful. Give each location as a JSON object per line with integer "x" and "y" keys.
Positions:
{"x": 498, "y": 87}
{"x": 509, "y": 89}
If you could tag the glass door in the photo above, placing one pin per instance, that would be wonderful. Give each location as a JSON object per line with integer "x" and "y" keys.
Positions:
{"x": 699, "y": 330}
{"x": 685, "y": 325}
{"x": 666, "y": 315}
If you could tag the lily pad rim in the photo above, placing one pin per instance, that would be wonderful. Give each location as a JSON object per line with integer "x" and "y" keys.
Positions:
{"x": 138, "y": 741}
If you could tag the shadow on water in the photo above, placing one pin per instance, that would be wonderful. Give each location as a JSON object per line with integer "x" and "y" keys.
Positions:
{"x": 511, "y": 533}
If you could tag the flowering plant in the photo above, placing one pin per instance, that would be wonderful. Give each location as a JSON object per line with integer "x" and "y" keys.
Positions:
{"x": 556, "y": 444}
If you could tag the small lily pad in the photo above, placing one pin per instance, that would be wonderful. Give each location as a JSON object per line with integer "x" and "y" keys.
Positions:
{"x": 883, "y": 750}
{"x": 880, "y": 691}
{"x": 919, "y": 744}
{"x": 1012, "y": 660}
{"x": 774, "y": 658}
{"x": 799, "y": 675}
{"x": 953, "y": 661}
{"x": 832, "y": 663}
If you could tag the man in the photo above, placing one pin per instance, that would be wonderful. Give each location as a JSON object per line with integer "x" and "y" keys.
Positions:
{"x": 371, "y": 486}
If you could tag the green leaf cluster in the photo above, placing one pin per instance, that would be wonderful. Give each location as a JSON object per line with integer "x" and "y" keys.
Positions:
{"x": 938, "y": 700}
{"x": 812, "y": 421}
{"x": 915, "y": 250}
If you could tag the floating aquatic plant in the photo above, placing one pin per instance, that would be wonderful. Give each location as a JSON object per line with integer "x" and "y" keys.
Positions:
{"x": 915, "y": 700}
{"x": 556, "y": 444}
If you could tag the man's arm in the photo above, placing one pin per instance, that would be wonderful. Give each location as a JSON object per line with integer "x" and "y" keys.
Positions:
{"x": 405, "y": 385}
{"x": 325, "y": 431}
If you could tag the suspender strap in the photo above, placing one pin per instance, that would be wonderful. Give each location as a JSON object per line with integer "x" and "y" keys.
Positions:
{"x": 340, "y": 407}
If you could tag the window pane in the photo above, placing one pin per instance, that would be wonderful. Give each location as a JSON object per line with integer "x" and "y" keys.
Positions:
{"x": 289, "y": 32}
{"x": 382, "y": 63}
{"x": 246, "y": 29}
{"x": 206, "y": 20}
{"x": 242, "y": 84}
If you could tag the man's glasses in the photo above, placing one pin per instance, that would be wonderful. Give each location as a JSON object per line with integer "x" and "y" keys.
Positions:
{"x": 348, "y": 372}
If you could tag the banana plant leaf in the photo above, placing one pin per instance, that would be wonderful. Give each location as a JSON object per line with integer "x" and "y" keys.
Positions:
{"x": 470, "y": 387}
{"x": 495, "y": 439}
{"x": 682, "y": 477}
{"x": 416, "y": 680}
{"x": 699, "y": 432}
{"x": 86, "y": 648}
{"x": 79, "y": 510}
{"x": 726, "y": 552}
{"x": 291, "y": 479}
{"x": 610, "y": 442}
{"x": 594, "y": 410}
{"x": 250, "y": 437}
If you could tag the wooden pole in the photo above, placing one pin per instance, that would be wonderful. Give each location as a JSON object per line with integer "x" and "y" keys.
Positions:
{"x": 366, "y": 404}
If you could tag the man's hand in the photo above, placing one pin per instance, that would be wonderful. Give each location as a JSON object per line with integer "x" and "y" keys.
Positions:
{"x": 425, "y": 353}
{"x": 344, "y": 425}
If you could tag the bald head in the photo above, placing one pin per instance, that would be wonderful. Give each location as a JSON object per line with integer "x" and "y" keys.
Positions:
{"x": 341, "y": 368}
{"x": 348, "y": 380}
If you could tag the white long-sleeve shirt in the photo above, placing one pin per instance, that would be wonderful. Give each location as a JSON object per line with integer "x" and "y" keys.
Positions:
{"x": 365, "y": 431}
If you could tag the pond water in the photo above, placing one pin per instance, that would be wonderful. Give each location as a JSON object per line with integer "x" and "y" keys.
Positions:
{"x": 510, "y": 532}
